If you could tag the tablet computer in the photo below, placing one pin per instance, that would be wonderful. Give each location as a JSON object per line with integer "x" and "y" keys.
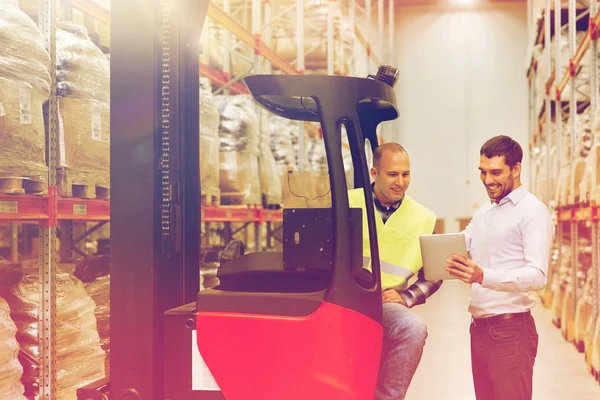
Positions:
{"x": 436, "y": 249}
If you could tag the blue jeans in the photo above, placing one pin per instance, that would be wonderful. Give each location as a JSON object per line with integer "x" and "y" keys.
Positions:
{"x": 403, "y": 342}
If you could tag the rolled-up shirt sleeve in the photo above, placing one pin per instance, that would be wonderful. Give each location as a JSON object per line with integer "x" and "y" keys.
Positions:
{"x": 537, "y": 231}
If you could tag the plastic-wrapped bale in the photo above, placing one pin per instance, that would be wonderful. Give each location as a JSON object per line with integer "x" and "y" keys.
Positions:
{"x": 84, "y": 148}
{"x": 99, "y": 290}
{"x": 83, "y": 75}
{"x": 578, "y": 167}
{"x": 79, "y": 356}
{"x": 209, "y": 145}
{"x": 22, "y": 138}
{"x": 24, "y": 88}
{"x": 283, "y": 139}
{"x": 591, "y": 180}
{"x": 83, "y": 71}
{"x": 239, "y": 178}
{"x": 270, "y": 175}
{"x": 11, "y": 369}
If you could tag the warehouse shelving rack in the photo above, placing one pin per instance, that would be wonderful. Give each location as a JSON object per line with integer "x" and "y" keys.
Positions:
{"x": 577, "y": 218}
{"x": 53, "y": 213}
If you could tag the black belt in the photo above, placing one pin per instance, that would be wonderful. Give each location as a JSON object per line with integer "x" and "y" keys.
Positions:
{"x": 496, "y": 319}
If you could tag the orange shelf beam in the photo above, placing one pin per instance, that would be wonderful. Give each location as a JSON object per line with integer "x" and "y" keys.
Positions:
{"x": 366, "y": 45}
{"x": 581, "y": 50}
{"x": 227, "y": 22}
{"x": 220, "y": 78}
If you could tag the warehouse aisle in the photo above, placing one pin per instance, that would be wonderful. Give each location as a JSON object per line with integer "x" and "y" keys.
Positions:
{"x": 445, "y": 370}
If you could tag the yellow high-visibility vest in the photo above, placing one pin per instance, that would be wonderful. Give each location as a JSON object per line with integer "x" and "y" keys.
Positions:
{"x": 399, "y": 249}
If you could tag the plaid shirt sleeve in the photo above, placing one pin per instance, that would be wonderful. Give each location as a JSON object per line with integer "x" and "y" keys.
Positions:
{"x": 420, "y": 291}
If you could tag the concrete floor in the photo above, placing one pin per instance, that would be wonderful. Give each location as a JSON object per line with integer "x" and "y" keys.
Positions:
{"x": 445, "y": 370}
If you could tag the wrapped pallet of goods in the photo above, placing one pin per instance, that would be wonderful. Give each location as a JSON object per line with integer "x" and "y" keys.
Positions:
{"x": 584, "y": 323}
{"x": 11, "y": 369}
{"x": 583, "y": 306}
{"x": 591, "y": 179}
{"x": 209, "y": 145}
{"x": 283, "y": 139}
{"x": 94, "y": 273}
{"x": 79, "y": 356}
{"x": 239, "y": 178}
{"x": 583, "y": 261}
{"x": 315, "y": 43}
{"x": 83, "y": 76}
{"x": 583, "y": 126}
{"x": 24, "y": 88}
{"x": 99, "y": 291}
{"x": 563, "y": 279}
{"x": 270, "y": 176}
{"x": 553, "y": 268}
{"x": 563, "y": 186}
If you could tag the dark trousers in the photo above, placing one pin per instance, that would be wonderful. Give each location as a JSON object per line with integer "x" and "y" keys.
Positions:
{"x": 502, "y": 357}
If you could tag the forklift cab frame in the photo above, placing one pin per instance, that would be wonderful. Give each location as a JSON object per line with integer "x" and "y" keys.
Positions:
{"x": 302, "y": 343}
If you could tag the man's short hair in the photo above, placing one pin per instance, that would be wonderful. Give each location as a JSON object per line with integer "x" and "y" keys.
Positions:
{"x": 390, "y": 146}
{"x": 503, "y": 146}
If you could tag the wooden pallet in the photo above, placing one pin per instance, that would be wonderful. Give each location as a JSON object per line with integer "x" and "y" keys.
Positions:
{"x": 90, "y": 192}
{"x": 66, "y": 188}
{"x": 22, "y": 186}
{"x": 235, "y": 199}
{"x": 210, "y": 200}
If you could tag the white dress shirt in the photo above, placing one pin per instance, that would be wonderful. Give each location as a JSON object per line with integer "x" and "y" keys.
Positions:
{"x": 511, "y": 242}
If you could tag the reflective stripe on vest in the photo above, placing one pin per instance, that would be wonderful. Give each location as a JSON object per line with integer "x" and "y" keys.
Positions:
{"x": 390, "y": 268}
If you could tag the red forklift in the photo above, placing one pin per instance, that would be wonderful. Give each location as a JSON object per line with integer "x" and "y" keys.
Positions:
{"x": 302, "y": 323}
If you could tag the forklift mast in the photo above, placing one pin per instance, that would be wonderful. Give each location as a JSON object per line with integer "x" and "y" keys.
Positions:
{"x": 155, "y": 205}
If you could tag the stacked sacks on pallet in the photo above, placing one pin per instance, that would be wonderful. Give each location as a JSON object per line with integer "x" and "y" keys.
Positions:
{"x": 24, "y": 88}
{"x": 583, "y": 260}
{"x": 209, "y": 144}
{"x": 94, "y": 272}
{"x": 11, "y": 369}
{"x": 83, "y": 75}
{"x": 79, "y": 357}
{"x": 239, "y": 178}
{"x": 99, "y": 291}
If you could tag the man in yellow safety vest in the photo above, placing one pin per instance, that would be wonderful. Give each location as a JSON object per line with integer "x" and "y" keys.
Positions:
{"x": 400, "y": 221}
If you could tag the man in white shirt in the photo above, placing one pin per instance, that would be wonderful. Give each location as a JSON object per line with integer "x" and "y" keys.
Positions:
{"x": 509, "y": 244}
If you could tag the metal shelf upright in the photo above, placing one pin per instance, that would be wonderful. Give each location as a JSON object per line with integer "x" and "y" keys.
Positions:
{"x": 578, "y": 216}
{"x": 47, "y": 231}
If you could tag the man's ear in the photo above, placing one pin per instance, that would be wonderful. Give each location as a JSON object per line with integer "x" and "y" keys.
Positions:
{"x": 516, "y": 170}
{"x": 373, "y": 172}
